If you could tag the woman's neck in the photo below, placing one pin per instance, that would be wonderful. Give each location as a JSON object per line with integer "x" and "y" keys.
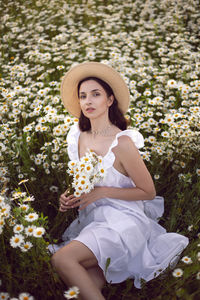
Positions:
{"x": 105, "y": 128}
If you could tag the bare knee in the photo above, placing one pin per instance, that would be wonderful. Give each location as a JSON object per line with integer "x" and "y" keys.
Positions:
{"x": 63, "y": 259}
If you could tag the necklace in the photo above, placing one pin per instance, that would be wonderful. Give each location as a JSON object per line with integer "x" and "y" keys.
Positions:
{"x": 103, "y": 132}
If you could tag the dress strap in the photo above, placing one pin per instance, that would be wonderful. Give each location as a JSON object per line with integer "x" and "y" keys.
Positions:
{"x": 72, "y": 142}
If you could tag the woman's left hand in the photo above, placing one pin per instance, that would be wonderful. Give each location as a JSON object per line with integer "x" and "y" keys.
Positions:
{"x": 85, "y": 199}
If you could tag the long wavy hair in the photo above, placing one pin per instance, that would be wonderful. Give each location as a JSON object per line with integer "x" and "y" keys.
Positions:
{"x": 115, "y": 115}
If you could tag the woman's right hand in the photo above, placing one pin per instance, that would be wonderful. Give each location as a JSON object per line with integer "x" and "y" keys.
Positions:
{"x": 63, "y": 201}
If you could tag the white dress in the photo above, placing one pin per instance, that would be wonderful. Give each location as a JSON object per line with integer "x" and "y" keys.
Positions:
{"x": 124, "y": 233}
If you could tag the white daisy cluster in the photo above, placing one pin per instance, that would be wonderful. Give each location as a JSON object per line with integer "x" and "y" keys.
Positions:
{"x": 179, "y": 272}
{"x": 86, "y": 172}
{"x": 154, "y": 46}
{"x": 5, "y": 211}
{"x": 21, "y": 296}
{"x": 23, "y": 222}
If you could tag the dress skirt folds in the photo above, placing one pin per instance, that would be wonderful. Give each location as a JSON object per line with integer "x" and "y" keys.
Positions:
{"x": 124, "y": 236}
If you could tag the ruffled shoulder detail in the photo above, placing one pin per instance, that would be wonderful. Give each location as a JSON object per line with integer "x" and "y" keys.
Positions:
{"x": 135, "y": 136}
{"x": 72, "y": 142}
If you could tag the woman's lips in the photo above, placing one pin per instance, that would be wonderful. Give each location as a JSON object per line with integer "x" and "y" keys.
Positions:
{"x": 90, "y": 109}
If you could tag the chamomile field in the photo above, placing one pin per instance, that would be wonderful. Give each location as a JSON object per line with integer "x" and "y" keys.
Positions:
{"x": 155, "y": 45}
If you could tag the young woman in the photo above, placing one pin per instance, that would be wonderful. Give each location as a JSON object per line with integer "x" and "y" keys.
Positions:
{"x": 116, "y": 235}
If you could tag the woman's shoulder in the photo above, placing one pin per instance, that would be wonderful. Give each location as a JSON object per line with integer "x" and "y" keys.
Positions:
{"x": 130, "y": 137}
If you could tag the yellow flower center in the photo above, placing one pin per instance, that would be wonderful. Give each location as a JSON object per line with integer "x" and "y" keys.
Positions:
{"x": 72, "y": 293}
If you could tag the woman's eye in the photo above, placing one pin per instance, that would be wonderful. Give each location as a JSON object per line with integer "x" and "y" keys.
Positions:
{"x": 82, "y": 97}
{"x": 96, "y": 94}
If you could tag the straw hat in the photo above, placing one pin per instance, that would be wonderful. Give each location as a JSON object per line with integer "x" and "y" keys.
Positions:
{"x": 69, "y": 85}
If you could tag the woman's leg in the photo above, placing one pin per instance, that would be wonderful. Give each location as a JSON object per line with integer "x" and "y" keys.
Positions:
{"x": 71, "y": 262}
{"x": 97, "y": 276}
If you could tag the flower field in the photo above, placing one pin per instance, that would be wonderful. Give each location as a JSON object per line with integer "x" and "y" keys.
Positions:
{"x": 155, "y": 45}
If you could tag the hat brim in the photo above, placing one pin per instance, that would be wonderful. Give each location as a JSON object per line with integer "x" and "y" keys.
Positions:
{"x": 69, "y": 85}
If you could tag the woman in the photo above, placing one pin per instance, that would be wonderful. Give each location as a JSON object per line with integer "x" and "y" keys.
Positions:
{"x": 117, "y": 235}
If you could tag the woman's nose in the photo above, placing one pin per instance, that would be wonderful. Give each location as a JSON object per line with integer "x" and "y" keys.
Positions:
{"x": 88, "y": 99}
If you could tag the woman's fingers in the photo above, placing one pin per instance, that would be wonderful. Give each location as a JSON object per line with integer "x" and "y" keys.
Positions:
{"x": 64, "y": 202}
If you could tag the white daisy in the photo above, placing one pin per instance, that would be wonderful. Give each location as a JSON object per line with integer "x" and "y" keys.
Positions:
{"x": 29, "y": 230}
{"x": 88, "y": 168}
{"x": 165, "y": 134}
{"x": 72, "y": 293}
{"x": 31, "y": 217}
{"x": 77, "y": 194}
{"x": 29, "y": 199}
{"x": 187, "y": 260}
{"x": 16, "y": 240}
{"x": 24, "y": 207}
{"x": 198, "y": 276}
{"x": 5, "y": 210}
{"x": 25, "y": 296}
{"x": 26, "y": 246}
{"x": 18, "y": 228}
{"x": 38, "y": 232}
{"x": 198, "y": 256}
{"x": 4, "y": 296}
{"x": 172, "y": 83}
{"x": 177, "y": 272}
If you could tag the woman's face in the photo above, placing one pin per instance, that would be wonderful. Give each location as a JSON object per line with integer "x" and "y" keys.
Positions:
{"x": 93, "y": 99}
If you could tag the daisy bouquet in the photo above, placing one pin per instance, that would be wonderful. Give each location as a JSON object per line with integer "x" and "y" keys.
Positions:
{"x": 86, "y": 172}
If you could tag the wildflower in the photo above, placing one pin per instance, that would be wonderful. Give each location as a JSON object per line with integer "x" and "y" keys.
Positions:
{"x": 198, "y": 276}
{"x": 177, "y": 272}
{"x": 156, "y": 176}
{"x": 18, "y": 228}
{"x": 26, "y": 246}
{"x": 72, "y": 293}
{"x": 198, "y": 256}
{"x": 89, "y": 168}
{"x": 187, "y": 260}
{"x": 31, "y": 217}
{"x": 24, "y": 207}
{"x": 23, "y": 181}
{"x": 171, "y": 83}
{"x": 4, "y": 296}
{"x": 29, "y": 199}
{"x": 38, "y": 232}
{"x": 25, "y": 296}
{"x": 165, "y": 134}
{"x": 190, "y": 227}
{"x": 198, "y": 172}
{"x": 5, "y": 210}
{"x": 16, "y": 240}
{"x": 29, "y": 230}
{"x": 53, "y": 189}
{"x": 17, "y": 195}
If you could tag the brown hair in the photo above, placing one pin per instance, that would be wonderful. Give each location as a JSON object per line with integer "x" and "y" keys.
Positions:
{"x": 116, "y": 117}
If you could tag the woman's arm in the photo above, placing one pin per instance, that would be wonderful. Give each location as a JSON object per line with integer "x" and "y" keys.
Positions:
{"x": 134, "y": 166}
